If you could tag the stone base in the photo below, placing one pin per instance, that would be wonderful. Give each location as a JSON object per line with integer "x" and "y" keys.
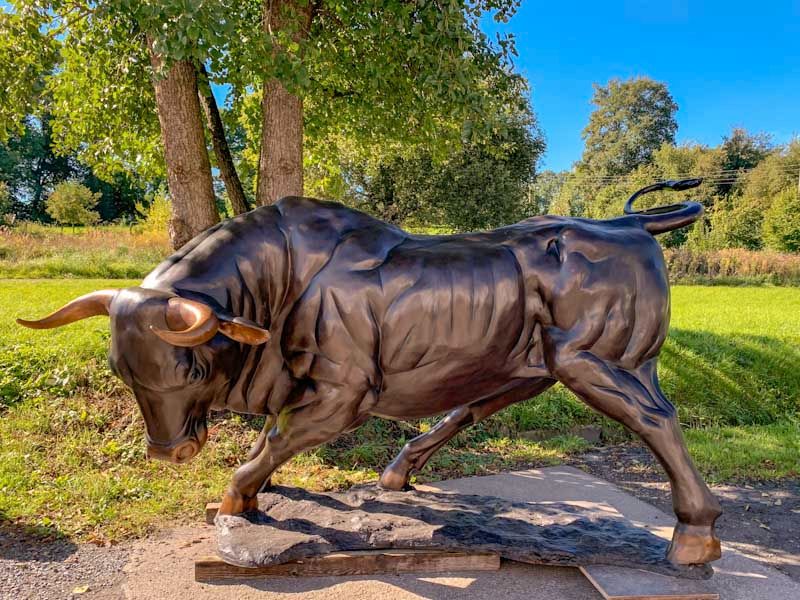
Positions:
{"x": 293, "y": 524}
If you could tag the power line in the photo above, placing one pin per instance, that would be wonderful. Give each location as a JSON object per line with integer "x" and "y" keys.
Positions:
{"x": 718, "y": 177}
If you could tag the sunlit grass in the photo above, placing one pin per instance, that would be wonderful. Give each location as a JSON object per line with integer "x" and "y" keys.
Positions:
{"x": 749, "y": 452}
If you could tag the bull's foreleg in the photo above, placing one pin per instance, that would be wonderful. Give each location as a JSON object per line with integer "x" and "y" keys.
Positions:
{"x": 318, "y": 418}
{"x": 634, "y": 398}
{"x": 261, "y": 441}
{"x": 418, "y": 451}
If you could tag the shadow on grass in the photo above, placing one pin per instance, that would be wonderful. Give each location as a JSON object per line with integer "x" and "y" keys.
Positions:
{"x": 730, "y": 379}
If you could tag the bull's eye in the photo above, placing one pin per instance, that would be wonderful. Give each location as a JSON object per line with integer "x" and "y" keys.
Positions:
{"x": 197, "y": 371}
{"x": 553, "y": 249}
{"x": 195, "y": 375}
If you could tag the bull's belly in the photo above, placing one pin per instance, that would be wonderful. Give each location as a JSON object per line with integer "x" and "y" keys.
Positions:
{"x": 427, "y": 392}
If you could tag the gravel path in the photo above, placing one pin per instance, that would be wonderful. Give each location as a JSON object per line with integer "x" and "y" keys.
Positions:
{"x": 53, "y": 570}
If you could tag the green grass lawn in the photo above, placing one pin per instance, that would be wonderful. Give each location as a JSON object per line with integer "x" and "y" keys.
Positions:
{"x": 71, "y": 439}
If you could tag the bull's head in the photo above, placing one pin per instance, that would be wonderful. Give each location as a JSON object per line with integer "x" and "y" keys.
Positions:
{"x": 166, "y": 349}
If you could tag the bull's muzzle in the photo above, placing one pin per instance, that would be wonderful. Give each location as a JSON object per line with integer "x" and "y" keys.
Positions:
{"x": 181, "y": 450}
{"x": 179, "y": 453}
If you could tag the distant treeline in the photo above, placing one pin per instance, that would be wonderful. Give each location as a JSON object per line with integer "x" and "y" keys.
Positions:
{"x": 750, "y": 190}
{"x": 30, "y": 169}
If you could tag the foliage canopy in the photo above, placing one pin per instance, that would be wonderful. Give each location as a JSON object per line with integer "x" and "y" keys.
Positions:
{"x": 379, "y": 73}
{"x": 631, "y": 121}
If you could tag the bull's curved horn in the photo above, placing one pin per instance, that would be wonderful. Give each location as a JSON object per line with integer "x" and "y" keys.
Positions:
{"x": 201, "y": 323}
{"x": 89, "y": 305}
{"x": 666, "y": 218}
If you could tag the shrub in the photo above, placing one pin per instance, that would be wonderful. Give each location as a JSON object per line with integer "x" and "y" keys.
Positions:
{"x": 157, "y": 213}
{"x": 782, "y": 222}
{"x": 732, "y": 266}
{"x": 5, "y": 199}
{"x": 71, "y": 203}
{"x": 737, "y": 225}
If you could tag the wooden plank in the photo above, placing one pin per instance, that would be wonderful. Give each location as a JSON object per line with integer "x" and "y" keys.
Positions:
{"x": 211, "y": 512}
{"x": 362, "y": 562}
{"x": 619, "y": 583}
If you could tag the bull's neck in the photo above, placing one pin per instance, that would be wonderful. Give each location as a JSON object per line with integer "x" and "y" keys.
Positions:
{"x": 239, "y": 267}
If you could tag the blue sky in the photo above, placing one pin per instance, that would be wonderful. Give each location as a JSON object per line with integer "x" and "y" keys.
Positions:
{"x": 727, "y": 64}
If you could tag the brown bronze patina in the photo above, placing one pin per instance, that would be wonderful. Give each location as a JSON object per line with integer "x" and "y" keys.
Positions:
{"x": 320, "y": 317}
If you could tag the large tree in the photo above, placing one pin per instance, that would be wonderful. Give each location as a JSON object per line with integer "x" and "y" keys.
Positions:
{"x": 383, "y": 74}
{"x": 483, "y": 185}
{"x": 630, "y": 122}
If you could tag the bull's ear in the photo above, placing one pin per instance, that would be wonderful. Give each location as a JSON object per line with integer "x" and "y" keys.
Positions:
{"x": 90, "y": 305}
{"x": 244, "y": 331}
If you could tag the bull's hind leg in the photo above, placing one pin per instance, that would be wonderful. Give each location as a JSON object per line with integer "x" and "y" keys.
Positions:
{"x": 633, "y": 397}
{"x": 318, "y": 418}
{"x": 418, "y": 451}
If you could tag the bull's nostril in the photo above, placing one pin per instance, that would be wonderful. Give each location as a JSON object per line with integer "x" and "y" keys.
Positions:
{"x": 185, "y": 451}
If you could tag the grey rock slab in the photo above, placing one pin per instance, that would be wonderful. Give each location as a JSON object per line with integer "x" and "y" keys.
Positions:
{"x": 293, "y": 524}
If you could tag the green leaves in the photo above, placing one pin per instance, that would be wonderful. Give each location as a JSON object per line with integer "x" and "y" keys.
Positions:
{"x": 480, "y": 186}
{"x": 381, "y": 74}
{"x": 27, "y": 55}
{"x": 632, "y": 120}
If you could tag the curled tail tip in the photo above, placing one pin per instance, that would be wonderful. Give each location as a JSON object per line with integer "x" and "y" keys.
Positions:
{"x": 670, "y": 217}
{"x": 675, "y": 185}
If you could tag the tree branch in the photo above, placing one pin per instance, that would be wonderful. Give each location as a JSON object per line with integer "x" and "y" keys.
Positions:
{"x": 219, "y": 141}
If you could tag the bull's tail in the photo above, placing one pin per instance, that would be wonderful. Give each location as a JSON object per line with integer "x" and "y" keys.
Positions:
{"x": 666, "y": 218}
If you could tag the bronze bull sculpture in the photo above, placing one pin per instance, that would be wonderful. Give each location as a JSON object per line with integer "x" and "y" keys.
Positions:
{"x": 320, "y": 317}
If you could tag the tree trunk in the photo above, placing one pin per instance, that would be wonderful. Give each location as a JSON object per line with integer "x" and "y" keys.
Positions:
{"x": 280, "y": 165}
{"x": 227, "y": 169}
{"x": 188, "y": 169}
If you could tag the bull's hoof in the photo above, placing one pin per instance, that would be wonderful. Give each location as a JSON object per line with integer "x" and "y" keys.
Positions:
{"x": 392, "y": 479}
{"x": 693, "y": 545}
{"x": 234, "y": 503}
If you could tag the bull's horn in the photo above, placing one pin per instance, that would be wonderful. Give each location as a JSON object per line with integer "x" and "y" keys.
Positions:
{"x": 90, "y": 305}
{"x": 201, "y": 324}
{"x": 666, "y": 218}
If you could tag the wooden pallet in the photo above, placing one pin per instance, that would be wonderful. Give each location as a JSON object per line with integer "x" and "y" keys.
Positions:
{"x": 211, "y": 511}
{"x": 619, "y": 583}
{"x": 362, "y": 562}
